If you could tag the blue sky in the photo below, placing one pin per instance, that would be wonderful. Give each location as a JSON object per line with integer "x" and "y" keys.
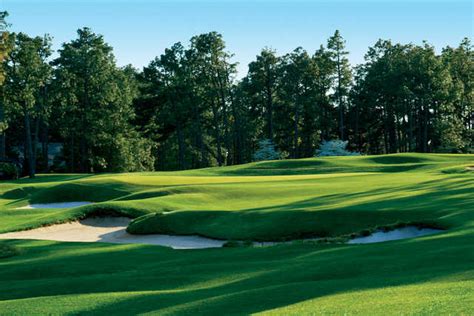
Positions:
{"x": 139, "y": 30}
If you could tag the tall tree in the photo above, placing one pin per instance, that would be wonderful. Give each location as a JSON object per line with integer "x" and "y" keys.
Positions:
{"x": 459, "y": 122}
{"x": 96, "y": 99}
{"x": 5, "y": 47}
{"x": 166, "y": 78}
{"x": 262, "y": 77}
{"x": 27, "y": 73}
{"x": 324, "y": 81}
{"x": 336, "y": 45}
{"x": 213, "y": 74}
{"x": 298, "y": 117}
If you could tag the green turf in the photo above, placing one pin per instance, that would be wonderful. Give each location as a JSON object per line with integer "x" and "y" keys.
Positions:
{"x": 260, "y": 201}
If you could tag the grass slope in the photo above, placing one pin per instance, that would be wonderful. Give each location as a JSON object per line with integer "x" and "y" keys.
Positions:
{"x": 267, "y": 200}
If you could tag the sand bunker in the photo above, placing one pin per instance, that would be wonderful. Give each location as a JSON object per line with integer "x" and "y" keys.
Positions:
{"x": 54, "y": 205}
{"x": 113, "y": 230}
{"x": 399, "y": 233}
{"x": 110, "y": 230}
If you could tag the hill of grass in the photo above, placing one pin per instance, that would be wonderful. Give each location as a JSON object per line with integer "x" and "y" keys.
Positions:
{"x": 259, "y": 201}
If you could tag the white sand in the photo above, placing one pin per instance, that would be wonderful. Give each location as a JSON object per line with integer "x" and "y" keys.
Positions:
{"x": 113, "y": 230}
{"x": 400, "y": 233}
{"x": 54, "y": 205}
{"x": 110, "y": 230}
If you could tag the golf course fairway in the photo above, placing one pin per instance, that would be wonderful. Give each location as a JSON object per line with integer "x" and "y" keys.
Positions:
{"x": 335, "y": 198}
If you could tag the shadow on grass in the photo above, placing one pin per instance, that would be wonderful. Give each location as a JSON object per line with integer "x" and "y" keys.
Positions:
{"x": 44, "y": 178}
{"x": 240, "y": 281}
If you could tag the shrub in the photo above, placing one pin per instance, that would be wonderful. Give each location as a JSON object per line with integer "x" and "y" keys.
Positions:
{"x": 334, "y": 148}
{"x": 237, "y": 243}
{"x": 266, "y": 151}
{"x": 8, "y": 171}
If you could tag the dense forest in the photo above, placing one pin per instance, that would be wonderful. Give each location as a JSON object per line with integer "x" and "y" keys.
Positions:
{"x": 187, "y": 109}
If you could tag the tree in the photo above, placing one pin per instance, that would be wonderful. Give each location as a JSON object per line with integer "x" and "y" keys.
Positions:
{"x": 325, "y": 81}
{"x": 266, "y": 151}
{"x": 167, "y": 81}
{"x": 5, "y": 44}
{"x": 5, "y": 47}
{"x": 336, "y": 45}
{"x": 96, "y": 106}
{"x": 458, "y": 123}
{"x": 213, "y": 76}
{"x": 334, "y": 148}
{"x": 27, "y": 73}
{"x": 262, "y": 77}
{"x": 298, "y": 114}
{"x": 407, "y": 114}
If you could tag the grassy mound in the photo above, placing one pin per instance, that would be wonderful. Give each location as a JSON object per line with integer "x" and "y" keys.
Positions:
{"x": 268, "y": 226}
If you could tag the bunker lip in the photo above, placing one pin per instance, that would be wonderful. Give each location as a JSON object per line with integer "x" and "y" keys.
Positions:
{"x": 113, "y": 230}
{"x": 410, "y": 231}
{"x": 54, "y": 205}
{"x": 110, "y": 230}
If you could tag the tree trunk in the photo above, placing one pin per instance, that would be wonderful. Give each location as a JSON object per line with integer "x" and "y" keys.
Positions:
{"x": 215, "y": 114}
{"x": 29, "y": 150}
{"x": 72, "y": 154}
{"x": 339, "y": 95}
{"x": 2, "y": 146}
{"x": 269, "y": 110}
{"x": 296, "y": 131}
{"x": 425, "y": 129}
{"x": 181, "y": 147}
{"x": 2, "y": 135}
{"x": 410, "y": 131}
{"x": 225, "y": 119}
{"x": 45, "y": 146}
{"x": 357, "y": 132}
{"x": 35, "y": 141}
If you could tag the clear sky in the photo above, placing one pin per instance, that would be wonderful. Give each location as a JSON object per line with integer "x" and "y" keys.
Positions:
{"x": 139, "y": 30}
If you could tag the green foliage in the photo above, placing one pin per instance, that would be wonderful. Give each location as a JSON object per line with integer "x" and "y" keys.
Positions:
{"x": 95, "y": 97}
{"x": 186, "y": 110}
{"x": 425, "y": 106}
{"x": 342, "y": 76}
{"x": 8, "y": 171}
{"x": 27, "y": 74}
{"x": 5, "y": 46}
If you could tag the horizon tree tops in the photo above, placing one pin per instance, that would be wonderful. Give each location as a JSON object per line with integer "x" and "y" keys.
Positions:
{"x": 186, "y": 109}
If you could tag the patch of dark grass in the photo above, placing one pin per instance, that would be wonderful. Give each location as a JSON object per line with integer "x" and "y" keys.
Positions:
{"x": 7, "y": 251}
{"x": 392, "y": 159}
{"x": 237, "y": 243}
{"x": 19, "y": 193}
{"x": 72, "y": 192}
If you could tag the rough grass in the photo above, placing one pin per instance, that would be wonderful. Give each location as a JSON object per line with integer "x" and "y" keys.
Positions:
{"x": 261, "y": 201}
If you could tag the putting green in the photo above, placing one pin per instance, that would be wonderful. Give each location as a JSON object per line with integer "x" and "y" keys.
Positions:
{"x": 328, "y": 197}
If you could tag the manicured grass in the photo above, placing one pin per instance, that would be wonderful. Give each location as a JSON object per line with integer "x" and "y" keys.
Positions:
{"x": 262, "y": 201}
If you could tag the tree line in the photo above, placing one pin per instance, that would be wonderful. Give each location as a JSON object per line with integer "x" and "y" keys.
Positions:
{"x": 187, "y": 109}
